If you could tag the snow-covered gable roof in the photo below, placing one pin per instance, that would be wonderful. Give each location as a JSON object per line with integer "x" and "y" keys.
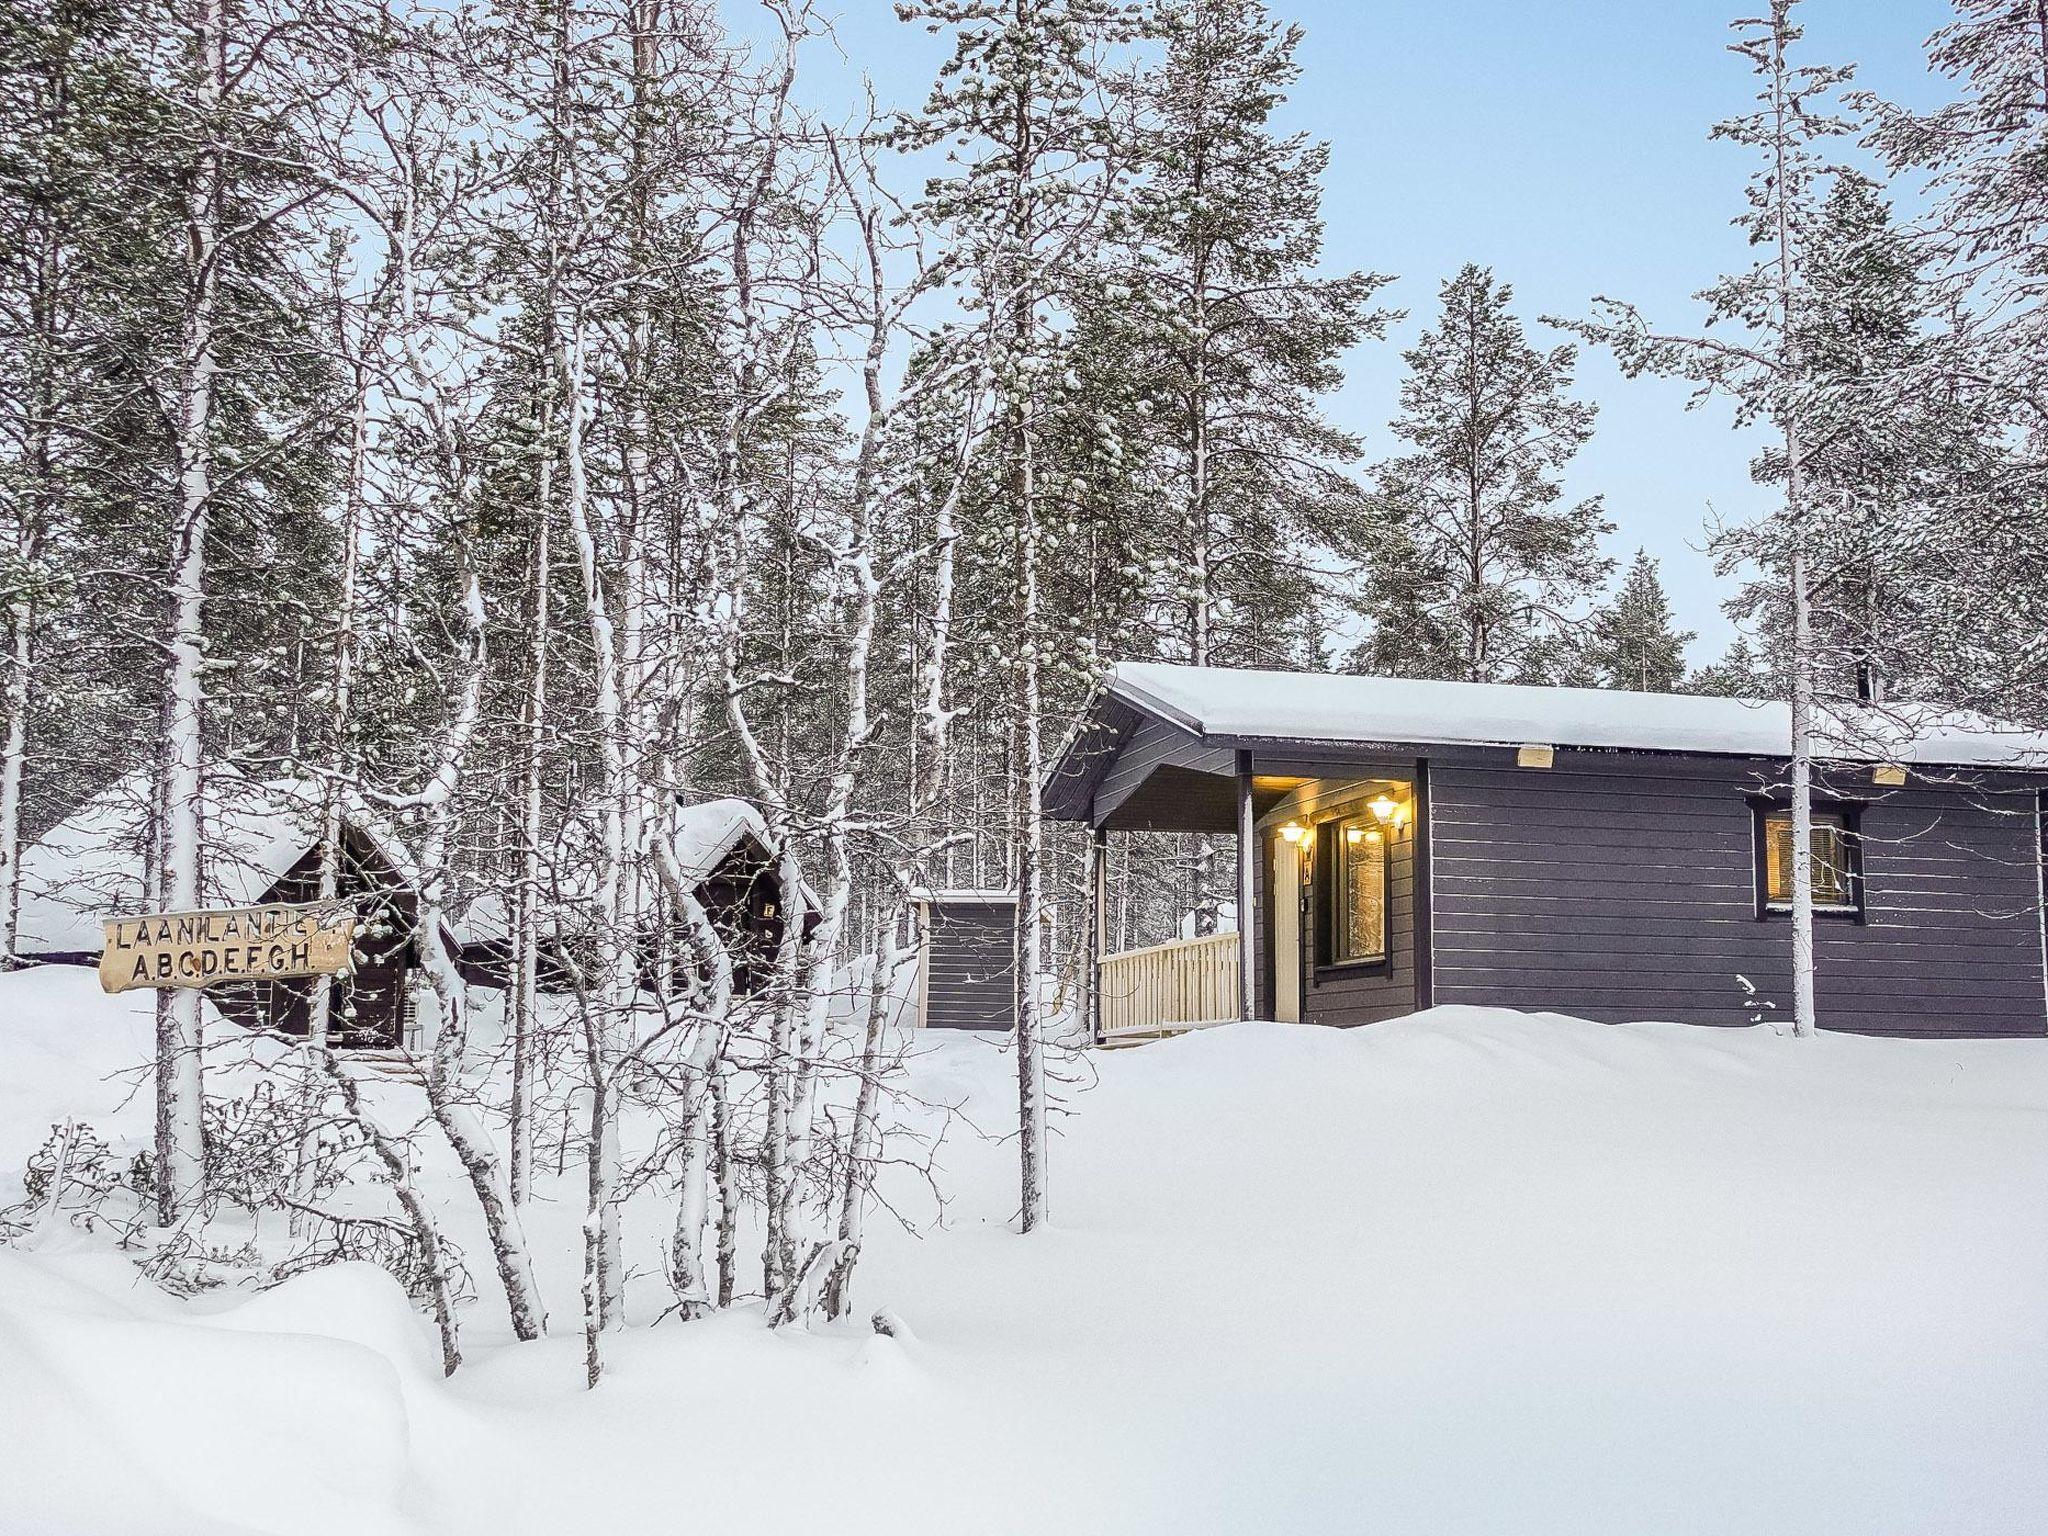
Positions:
{"x": 93, "y": 864}
{"x": 705, "y": 837}
{"x": 1217, "y": 702}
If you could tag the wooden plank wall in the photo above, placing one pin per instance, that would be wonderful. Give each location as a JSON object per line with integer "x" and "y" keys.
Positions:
{"x": 969, "y": 974}
{"x": 1622, "y": 887}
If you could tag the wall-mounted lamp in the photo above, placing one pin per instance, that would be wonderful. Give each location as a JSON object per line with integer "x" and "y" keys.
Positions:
{"x": 1293, "y": 831}
{"x": 1386, "y": 810}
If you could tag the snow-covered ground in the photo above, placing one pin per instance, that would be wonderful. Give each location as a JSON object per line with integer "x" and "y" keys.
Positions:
{"x": 1466, "y": 1272}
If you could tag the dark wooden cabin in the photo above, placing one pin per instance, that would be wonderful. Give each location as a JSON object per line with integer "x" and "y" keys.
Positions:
{"x": 721, "y": 849}
{"x": 262, "y": 846}
{"x": 371, "y": 1007}
{"x": 1611, "y": 855}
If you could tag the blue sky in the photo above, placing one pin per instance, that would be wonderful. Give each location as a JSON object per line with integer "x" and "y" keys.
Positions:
{"x": 1564, "y": 143}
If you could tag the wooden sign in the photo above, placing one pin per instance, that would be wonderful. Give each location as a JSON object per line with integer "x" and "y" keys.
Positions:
{"x": 200, "y": 949}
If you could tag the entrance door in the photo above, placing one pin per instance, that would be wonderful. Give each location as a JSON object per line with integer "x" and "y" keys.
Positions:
{"x": 1286, "y": 889}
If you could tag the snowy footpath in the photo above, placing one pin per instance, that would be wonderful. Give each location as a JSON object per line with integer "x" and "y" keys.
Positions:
{"x": 1466, "y": 1272}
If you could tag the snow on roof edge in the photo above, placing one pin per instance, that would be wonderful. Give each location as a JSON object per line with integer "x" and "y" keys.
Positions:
{"x": 1320, "y": 707}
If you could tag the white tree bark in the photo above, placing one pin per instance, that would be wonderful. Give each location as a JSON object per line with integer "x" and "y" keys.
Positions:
{"x": 180, "y": 1154}
{"x": 613, "y": 997}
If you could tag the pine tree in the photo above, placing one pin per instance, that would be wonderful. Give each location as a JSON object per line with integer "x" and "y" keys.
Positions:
{"x": 1633, "y": 643}
{"x": 1481, "y": 566}
{"x": 1227, "y": 335}
{"x": 1985, "y": 156}
{"x": 1739, "y": 674}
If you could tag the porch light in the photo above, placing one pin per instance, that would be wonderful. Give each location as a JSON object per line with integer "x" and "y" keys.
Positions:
{"x": 1385, "y": 809}
{"x": 1292, "y": 831}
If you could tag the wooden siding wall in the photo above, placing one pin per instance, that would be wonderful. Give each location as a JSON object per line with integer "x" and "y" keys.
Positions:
{"x": 969, "y": 966}
{"x": 1622, "y": 887}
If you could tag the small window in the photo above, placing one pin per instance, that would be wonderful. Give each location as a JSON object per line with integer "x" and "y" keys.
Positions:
{"x": 1354, "y": 853}
{"x": 1835, "y": 875}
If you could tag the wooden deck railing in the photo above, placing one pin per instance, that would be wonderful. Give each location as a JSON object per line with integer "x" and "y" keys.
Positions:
{"x": 1169, "y": 987}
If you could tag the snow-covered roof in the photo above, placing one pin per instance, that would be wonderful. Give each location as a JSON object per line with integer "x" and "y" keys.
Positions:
{"x": 94, "y": 863}
{"x": 1327, "y": 707}
{"x": 705, "y": 837}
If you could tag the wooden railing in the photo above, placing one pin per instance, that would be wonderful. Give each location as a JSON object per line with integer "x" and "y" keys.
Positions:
{"x": 1169, "y": 987}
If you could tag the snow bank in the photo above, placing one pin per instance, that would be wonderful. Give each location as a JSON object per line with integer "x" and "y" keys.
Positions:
{"x": 1467, "y": 1272}
{"x": 68, "y": 1051}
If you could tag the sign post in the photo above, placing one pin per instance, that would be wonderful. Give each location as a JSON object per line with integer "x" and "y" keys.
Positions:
{"x": 201, "y": 949}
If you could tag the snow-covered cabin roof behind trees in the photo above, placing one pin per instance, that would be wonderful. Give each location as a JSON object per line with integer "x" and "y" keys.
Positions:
{"x": 94, "y": 863}
{"x": 1227, "y": 706}
{"x": 706, "y": 836}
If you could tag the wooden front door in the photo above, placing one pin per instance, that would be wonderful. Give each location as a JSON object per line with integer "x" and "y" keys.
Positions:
{"x": 1286, "y": 889}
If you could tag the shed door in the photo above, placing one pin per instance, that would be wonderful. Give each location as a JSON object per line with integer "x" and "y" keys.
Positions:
{"x": 1286, "y": 887}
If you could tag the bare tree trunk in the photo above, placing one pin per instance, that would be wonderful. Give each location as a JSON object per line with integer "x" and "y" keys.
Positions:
{"x": 614, "y": 996}
{"x": 1031, "y": 1127}
{"x": 728, "y": 1187}
{"x": 1804, "y": 1015}
{"x": 341, "y": 681}
{"x": 426, "y": 1232}
{"x": 862, "y": 1149}
{"x": 525, "y": 1000}
{"x": 180, "y": 1155}
{"x": 445, "y": 1089}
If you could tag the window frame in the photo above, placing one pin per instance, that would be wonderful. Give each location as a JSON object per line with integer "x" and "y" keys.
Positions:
{"x": 1849, "y": 813}
{"x": 1328, "y": 853}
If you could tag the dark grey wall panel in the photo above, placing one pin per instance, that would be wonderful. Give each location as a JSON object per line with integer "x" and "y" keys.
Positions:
{"x": 970, "y": 965}
{"x": 1622, "y": 886}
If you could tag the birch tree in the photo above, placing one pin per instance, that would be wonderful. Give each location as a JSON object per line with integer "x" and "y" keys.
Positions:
{"x": 1753, "y": 353}
{"x": 1027, "y": 94}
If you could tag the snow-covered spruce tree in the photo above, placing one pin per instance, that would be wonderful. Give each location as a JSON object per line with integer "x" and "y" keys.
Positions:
{"x": 1478, "y": 564}
{"x": 1739, "y": 674}
{"x": 1215, "y": 339}
{"x": 1027, "y": 102}
{"x": 1634, "y": 643}
{"x": 80, "y": 240}
{"x": 1908, "y": 474}
{"x": 1978, "y": 255}
{"x": 1984, "y": 156}
{"x": 1754, "y": 351}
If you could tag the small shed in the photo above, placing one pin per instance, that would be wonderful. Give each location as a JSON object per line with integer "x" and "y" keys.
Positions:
{"x": 967, "y": 964}
{"x": 261, "y": 845}
{"x": 721, "y": 848}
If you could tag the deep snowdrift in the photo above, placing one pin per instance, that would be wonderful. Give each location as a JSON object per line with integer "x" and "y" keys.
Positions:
{"x": 1467, "y": 1272}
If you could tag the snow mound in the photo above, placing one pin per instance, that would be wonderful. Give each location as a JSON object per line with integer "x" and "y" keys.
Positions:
{"x": 1471, "y": 1271}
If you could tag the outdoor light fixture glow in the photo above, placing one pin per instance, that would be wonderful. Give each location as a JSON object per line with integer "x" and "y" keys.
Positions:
{"x": 1292, "y": 831}
{"x": 1384, "y": 807}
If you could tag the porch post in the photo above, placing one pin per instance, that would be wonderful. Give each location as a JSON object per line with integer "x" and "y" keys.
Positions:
{"x": 1098, "y": 925}
{"x": 1247, "y": 851}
